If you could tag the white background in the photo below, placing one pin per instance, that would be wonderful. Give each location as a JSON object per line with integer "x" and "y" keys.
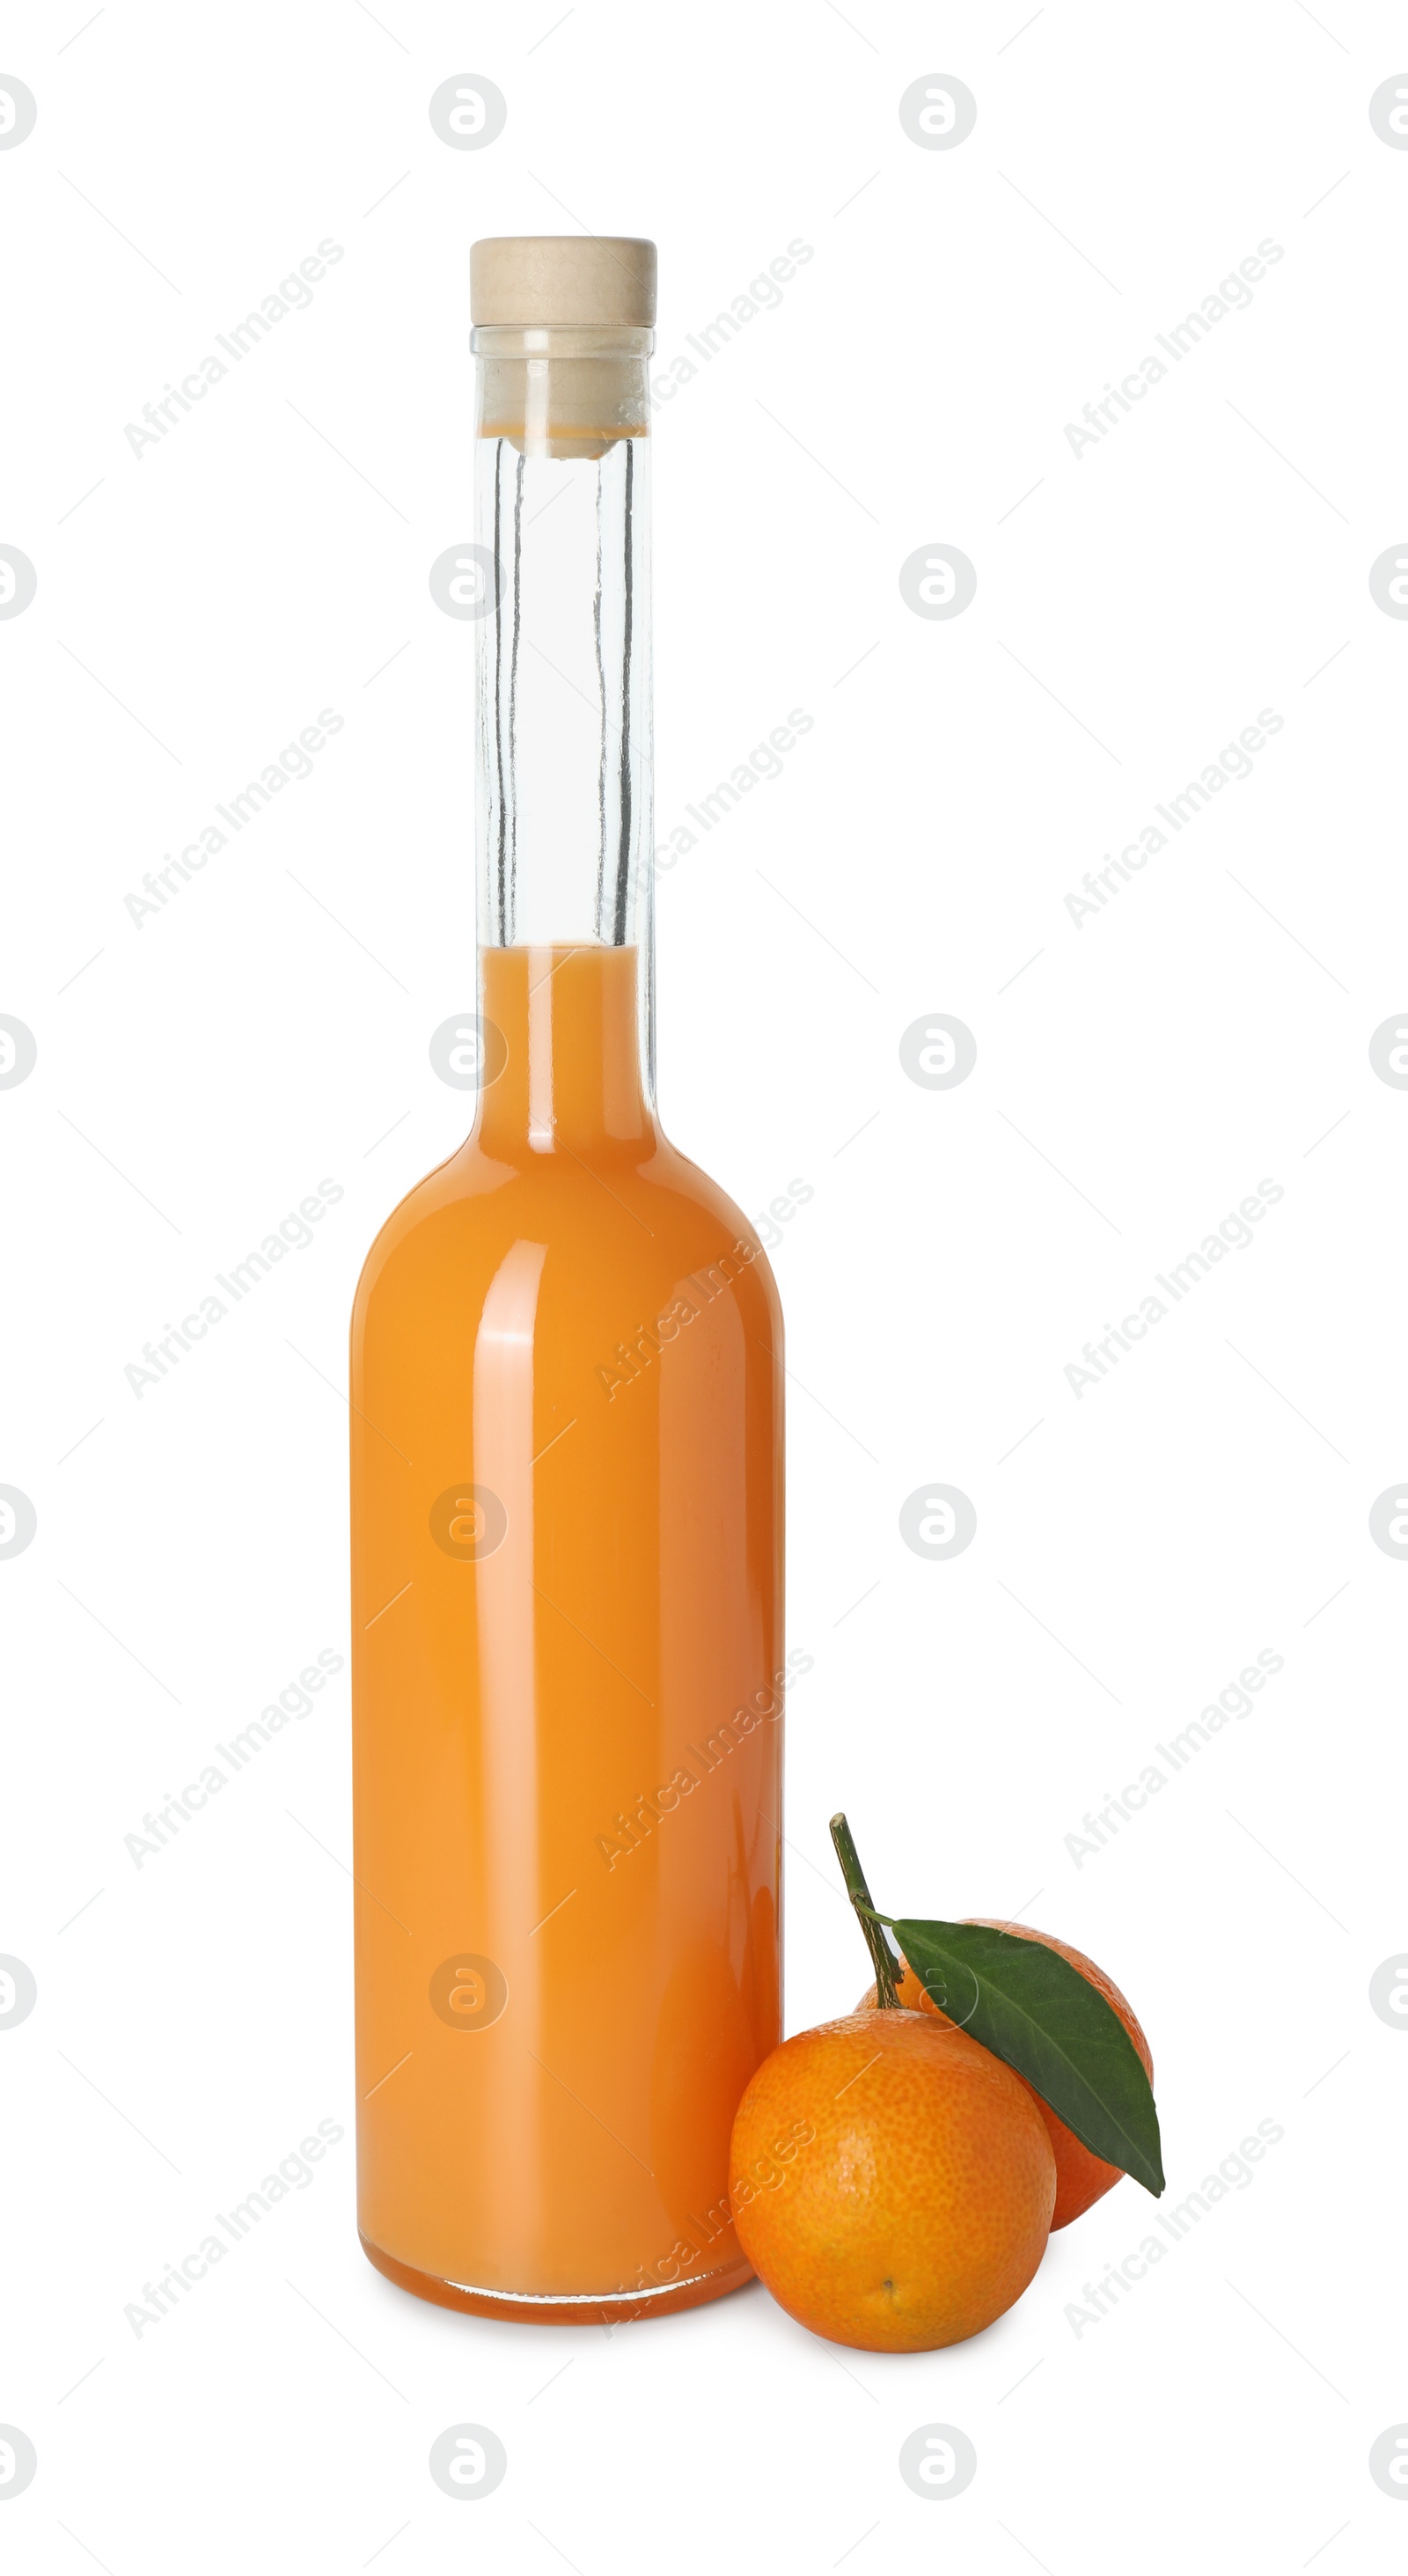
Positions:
{"x": 1137, "y": 606}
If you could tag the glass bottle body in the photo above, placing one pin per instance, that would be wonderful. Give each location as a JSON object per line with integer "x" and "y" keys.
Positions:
{"x": 568, "y": 1669}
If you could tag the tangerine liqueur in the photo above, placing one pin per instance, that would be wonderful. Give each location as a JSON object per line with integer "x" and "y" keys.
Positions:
{"x": 566, "y": 1411}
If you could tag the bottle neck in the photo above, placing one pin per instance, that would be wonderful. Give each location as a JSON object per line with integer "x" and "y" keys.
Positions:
{"x": 562, "y": 1062}
{"x": 564, "y": 682}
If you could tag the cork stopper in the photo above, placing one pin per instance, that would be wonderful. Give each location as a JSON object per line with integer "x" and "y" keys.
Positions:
{"x": 563, "y": 329}
{"x": 531, "y": 281}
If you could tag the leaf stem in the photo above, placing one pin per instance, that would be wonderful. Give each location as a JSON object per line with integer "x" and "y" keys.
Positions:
{"x": 886, "y": 1964}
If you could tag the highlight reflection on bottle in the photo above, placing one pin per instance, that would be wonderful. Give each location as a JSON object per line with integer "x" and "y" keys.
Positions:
{"x": 566, "y": 1384}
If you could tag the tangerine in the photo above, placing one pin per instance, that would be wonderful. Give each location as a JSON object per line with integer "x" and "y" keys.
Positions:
{"x": 892, "y": 2181}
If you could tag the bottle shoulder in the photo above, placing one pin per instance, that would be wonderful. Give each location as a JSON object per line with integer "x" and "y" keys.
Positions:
{"x": 655, "y": 1217}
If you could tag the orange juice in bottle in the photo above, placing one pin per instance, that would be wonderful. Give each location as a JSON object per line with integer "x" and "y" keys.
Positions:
{"x": 566, "y": 1392}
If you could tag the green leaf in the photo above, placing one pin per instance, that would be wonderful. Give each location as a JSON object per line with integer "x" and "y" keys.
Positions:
{"x": 1033, "y": 2009}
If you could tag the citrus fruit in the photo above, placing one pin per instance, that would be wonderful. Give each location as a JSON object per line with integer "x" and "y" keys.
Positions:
{"x": 892, "y": 2182}
{"x": 1081, "y": 2177}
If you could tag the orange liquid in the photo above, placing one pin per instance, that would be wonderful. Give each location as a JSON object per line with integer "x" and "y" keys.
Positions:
{"x": 567, "y": 1684}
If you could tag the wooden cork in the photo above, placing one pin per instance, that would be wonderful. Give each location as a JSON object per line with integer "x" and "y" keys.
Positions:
{"x": 531, "y": 281}
{"x": 562, "y": 332}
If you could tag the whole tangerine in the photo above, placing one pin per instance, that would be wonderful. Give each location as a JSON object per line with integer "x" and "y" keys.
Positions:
{"x": 892, "y": 2181}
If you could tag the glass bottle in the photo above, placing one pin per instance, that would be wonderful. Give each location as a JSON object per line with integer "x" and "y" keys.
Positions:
{"x": 566, "y": 1414}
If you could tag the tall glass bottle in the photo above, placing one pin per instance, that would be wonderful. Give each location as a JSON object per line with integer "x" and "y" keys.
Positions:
{"x": 566, "y": 1413}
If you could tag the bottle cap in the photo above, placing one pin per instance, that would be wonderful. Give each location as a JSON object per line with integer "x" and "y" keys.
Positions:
{"x": 528, "y": 281}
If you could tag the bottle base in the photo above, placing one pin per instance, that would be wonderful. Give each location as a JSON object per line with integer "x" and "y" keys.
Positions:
{"x": 530, "y": 2309}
